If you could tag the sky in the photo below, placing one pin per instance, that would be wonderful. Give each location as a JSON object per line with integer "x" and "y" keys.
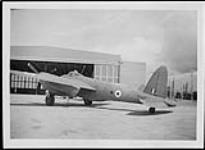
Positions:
{"x": 154, "y": 37}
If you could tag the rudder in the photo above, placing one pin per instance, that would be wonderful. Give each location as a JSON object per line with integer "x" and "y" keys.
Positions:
{"x": 157, "y": 84}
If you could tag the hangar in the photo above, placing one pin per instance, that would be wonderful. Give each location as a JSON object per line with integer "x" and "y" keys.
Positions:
{"x": 59, "y": 61}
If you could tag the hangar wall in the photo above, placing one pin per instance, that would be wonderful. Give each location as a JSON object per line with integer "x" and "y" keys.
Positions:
{"x": 132, "y": 73}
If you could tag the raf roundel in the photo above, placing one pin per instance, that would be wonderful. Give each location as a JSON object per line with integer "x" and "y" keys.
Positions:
{"x": 118, "y": 93}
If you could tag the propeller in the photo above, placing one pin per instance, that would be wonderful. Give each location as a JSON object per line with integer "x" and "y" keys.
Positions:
{"x": 32, "y": 68}
{"x": 83, "y": 69}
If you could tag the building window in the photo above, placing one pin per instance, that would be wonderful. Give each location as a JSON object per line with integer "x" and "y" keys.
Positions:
{"x": 116, "y": 74}
{"x": 103, "y": 73}
{"x": 98, "y": 72}
{"x": 108, "y": 73}
{"x": 23, "y": 82}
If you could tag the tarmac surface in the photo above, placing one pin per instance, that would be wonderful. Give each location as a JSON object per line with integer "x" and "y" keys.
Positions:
{"x": 71, "y": 119}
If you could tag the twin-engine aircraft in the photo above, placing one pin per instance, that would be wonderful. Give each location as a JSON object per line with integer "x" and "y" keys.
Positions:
{"x": 75, "y": 84}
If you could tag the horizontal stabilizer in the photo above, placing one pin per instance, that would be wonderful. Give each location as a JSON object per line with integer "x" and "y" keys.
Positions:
{"x": 158, "y": 102}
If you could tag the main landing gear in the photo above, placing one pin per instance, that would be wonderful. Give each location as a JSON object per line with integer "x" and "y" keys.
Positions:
{"x": 87, "y": 102}
{"x": 50, "y": 99}
{"x": 152, "y": 110}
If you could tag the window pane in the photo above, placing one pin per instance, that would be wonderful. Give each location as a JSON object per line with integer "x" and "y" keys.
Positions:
{"x": 26, "y": 82}
{"x": 15, "y": 82}
{"x": 20, "y": 81}
{"x": 116, "y": 80}
{"x": 30, "y": 83}
{"x": 98, "y": 78}
{"x": 16, "y": 78}
{"x": 12, "y": 77}
{"x": 12, "y": 80}
{"x": 110, "y": 80}
{"x": 104, "y": 70}
{"x": 12, "y": 84}
{"x": 97, "y": 71}
{"x": 35, "y": 84}
{"x": 116, "y": 71}
{"x": 109, "y": 70}
{"x": 23, "y": 81}
{"x": 103, "y": 79}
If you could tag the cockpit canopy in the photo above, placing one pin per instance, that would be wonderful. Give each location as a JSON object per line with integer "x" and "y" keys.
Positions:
{"x": 73, "y": 73}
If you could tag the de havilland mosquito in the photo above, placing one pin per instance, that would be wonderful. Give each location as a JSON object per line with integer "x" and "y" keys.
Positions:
{"x": 74, "y": 84}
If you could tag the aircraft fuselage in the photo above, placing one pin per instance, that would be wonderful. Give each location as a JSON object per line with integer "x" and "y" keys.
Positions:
{"x": 108, "y": 91}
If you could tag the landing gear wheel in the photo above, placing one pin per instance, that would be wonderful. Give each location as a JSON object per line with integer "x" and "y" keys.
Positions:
{"x": 87, "y": 102}
{"x": 151, "y": 110}
{"x": 50, "y": 99}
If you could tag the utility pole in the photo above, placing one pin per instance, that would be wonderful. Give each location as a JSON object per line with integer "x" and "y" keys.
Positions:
{"x": 191, "y": 85}
{"x": 173, "y": 88}
{"x": 169, "y": 89}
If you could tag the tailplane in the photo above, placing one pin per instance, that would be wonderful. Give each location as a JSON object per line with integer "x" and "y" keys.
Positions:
{"x": 157, "y": 84}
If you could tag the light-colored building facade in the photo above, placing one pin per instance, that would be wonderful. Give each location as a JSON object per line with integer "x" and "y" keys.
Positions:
{"x": 183, "y": 83}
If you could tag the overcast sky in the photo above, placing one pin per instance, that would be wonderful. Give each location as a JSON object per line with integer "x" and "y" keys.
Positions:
{"x": 154, "y": 37}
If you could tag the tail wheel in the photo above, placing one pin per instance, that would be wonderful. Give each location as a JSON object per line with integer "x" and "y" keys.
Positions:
{"x": 87, "y": 102}
{"x": 151, "y": 110}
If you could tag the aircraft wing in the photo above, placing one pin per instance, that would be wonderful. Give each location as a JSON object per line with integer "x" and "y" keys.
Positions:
{"x": 58, "y": 85}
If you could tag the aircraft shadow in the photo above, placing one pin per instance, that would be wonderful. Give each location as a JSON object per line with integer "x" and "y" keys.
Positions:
{"x": 58, "y": 104}
{"x": 117, "y": 109}
{"x": 97, "y": 106}
{"x": 145, "y": 112}
{"x": 138, "y": 112}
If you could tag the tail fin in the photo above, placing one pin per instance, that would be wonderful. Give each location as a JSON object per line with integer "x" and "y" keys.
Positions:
{"x": 157, "y": 84}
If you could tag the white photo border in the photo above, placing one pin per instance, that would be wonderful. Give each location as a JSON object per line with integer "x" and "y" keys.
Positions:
{"x": 34, "y": 143}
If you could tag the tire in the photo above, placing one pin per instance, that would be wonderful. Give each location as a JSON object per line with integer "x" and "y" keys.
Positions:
{"x": 152, "y": 110}
{"x": 50, "y": 100}
{"x": 87, "y": 102}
